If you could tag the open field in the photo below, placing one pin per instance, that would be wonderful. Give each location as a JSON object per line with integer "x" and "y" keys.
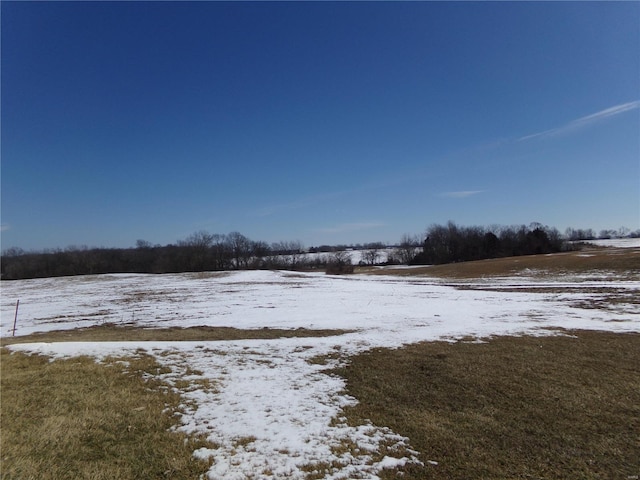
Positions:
{"x": 591, "y": 262}
{"x": 558, "y": 407}
{"x": 252, "y": 357}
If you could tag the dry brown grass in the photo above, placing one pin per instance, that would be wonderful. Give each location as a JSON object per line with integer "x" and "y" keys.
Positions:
{"x": 77, "y": 419}
{"x": 514, "y": 407}
{"x": 115, "y": 333}
{"x": 622, "y": 261}
{"x": 525, "y": 407}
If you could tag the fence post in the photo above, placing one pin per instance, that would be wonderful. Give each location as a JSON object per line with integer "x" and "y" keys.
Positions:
{"x": 15, "y": 319}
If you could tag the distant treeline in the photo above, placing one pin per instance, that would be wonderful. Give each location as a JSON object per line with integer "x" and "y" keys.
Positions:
{"x": 199, "y": 252}
{"x": 452, "y": 243}
{"x": 204, "y": 251}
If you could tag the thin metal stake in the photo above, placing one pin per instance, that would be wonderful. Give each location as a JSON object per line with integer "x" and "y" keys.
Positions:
{"x": 15, "y": 319}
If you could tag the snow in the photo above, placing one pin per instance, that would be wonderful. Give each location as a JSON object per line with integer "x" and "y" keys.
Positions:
{"x": 271, "y": 412}
{"x": 357, "y": 256}
{"x": 616, "y": 242}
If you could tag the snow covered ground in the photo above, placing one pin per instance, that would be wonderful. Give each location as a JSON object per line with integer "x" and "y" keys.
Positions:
{"x": 273, "y": 413}
{"x": 616, "y": 242}
{"x": 358, "y": 257}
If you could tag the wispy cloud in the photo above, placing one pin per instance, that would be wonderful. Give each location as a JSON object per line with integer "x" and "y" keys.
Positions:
{"x": 461, "y": 194}
{"x": 350, "y": 227}
{"x": 584, "y": 121}
{"x": 4, "y": 227}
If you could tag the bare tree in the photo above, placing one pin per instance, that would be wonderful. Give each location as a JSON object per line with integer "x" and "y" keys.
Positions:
{"x": 143, "y": 244}
{"x": 240, "y": 247}
{"x": 201, "y": 240}
{"x": 339, "y": 263}
{"x": 291, "y": 253}
{"x": 196, "y": 251}
{"x": 221, "y": 254}
{"x": 13, "y": 252}
{"x": 372, "y": 252}
{"x": 259, "y": 251}
{"x": 408, "y": 248}
{"x": 623, "y": 232}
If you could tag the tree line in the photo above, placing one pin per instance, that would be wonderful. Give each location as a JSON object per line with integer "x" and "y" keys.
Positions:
{"x": 199, "y": 252}
{"x": 204, "y": 251}
{"x": 574, "y": 234}
{"x": 452, "y": 243}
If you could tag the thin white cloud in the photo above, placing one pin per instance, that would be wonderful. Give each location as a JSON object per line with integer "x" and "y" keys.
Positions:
{"x": 585, "y": 121}
{"x": 4, "y": 227}
{"x": 350, "y": 227}
{"x": 461, "y": 194}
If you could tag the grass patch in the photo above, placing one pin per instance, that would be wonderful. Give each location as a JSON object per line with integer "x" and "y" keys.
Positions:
{"x": 514, "y": 407}
{"x": 111, "y": 332}
{"x": 624, "y": 262}
{"x": 77, "y": 418}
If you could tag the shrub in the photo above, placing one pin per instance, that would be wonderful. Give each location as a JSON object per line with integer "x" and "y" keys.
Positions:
{"x": 339, "y": 263}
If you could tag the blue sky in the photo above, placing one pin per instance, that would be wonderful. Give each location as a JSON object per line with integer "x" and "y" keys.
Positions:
{"x": 327, "y": 122}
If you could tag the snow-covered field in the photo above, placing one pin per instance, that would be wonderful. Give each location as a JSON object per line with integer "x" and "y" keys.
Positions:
{"x": 358, "y": 257}
{"x": 273, "y": 413}
{"x": 616, "y": 242}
